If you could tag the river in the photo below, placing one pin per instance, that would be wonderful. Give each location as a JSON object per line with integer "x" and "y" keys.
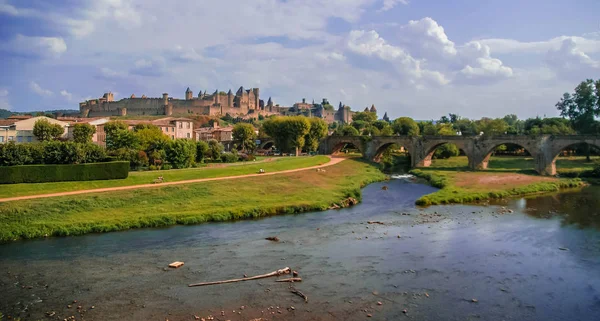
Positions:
{"x": 476, "y": 262}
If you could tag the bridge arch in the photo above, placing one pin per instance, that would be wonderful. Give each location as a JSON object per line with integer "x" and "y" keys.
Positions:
{"x": 484, "y": 162}
{"x": 430, "y": 146}
{"x": 550, "y": 167}
{"x": 383, "y": 147}
{"x": 341, "y": 145}
{"x": 266, "y": 144}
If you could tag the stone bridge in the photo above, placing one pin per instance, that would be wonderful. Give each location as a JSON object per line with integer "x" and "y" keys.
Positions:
{"x": 478, "y": 149}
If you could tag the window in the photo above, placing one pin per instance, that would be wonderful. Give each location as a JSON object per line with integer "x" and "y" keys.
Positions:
{"x": 19, "y": 139}
{"x": 172, "y": 129}
{"x": 29, "y": 139}
{"x": 11, "y": 138}
{"x": 180, "y": 125}
{"x": 187, "y": 125}
{"x": 188, "y": 135}
{"x": 172, "y": 136}
{"x": 1, "y": 139}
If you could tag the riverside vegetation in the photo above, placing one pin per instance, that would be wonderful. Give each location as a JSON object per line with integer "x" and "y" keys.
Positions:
{"x": 245, "y": 198}
{"x": 505, "y": 177}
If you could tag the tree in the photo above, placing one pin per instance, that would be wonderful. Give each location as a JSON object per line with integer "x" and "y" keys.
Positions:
{"x": 444, "y": 120}
{"x": 150, "y": 138}
{"x": 297, "y": 127}
{"x": 82, "y": 132}
{"x": 287, "y": 132}
{"x": 492, "y": 127}
{"x": 113, "y": 126}
{"x": 215, "y": 149}
{"x": 405, "y": 126}
{"x": 427, "y": 128}
{"x": 44, "y": 130}
{"x": 366, "y": 116}
{"x": 582, "y": 108}
{"x": 346, "y": 130}
{"x": 245, "y": 137}
{"x": 318, "y": 130}
{"x": 446, "y": 151}
{"x": 445, "y": 129}
{"x": 181, "y": 153}
{"x": 122, "y": 138}
{"x": 202, "y": 151}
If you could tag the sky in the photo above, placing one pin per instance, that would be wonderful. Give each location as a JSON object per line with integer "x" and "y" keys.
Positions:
{"x": 416, "y": 58}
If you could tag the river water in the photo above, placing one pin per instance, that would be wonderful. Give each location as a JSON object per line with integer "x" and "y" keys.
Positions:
{"x": 480, "y": 262}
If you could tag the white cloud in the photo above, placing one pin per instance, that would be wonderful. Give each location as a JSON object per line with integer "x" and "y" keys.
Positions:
{"x": 4, "y": 103}
{"x": 426, "y": 38}
{"x": 390, "y": 4}
{"x": 68, "y": 96}
{"x": 155, "y": 66}
{"x": 48, "y": 47}
{"x": 507, "y": 46}
{"x": 569, "y": 60}
{"x": 36, "y": 88}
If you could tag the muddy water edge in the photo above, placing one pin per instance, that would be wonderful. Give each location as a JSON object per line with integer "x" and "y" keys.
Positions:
{"x": 522, "y": 259}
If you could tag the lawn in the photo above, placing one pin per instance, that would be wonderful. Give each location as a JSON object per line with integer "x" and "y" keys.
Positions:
{"x": 505, "y": 177}
{"x": 186, "y": 204}
{"x": 146, "y": 177}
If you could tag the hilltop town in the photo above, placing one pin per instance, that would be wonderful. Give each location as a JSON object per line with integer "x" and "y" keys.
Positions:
{"x": 245, "y": 103}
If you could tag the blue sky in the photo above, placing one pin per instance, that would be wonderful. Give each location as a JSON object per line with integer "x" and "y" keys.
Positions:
{"x": 417, "y": 58}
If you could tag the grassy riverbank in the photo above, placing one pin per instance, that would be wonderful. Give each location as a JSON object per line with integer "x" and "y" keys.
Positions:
{"x": 186, "y": 204}
{"x": 506, "y": 177}
{"x": 174, "y": 175}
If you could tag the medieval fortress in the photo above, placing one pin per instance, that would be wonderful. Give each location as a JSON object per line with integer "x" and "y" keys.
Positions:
{"x": 244, "y": 103}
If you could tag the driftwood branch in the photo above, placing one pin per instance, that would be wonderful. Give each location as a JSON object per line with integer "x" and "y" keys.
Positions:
{"x": 376, "y": 222}
{"x": 290, "y": 280}
{"x": 285, "y": 270}
{"x": 299, "y": 294}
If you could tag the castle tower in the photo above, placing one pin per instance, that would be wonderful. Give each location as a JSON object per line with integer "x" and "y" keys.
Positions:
{"x": 341, "y": 105}
{"x": 165, "y": 99}
{"x": 373, "y": 109}
{"x": 256, "y": 99}
{"x": 200, "y": 95}
{"x": 366, "y": 109}
{"x": 229, "y": 99}
{"x": 217, "y": 100}
{"x": 189, "y": 94}
{"x": 385, "y": 117}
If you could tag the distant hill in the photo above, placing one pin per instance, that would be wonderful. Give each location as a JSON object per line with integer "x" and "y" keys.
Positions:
{"x": 60, "y": 112}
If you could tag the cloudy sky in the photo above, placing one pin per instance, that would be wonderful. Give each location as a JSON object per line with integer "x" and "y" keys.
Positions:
{"x": 420, "y": 58}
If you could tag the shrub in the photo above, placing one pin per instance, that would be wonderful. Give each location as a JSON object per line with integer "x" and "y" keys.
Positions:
{"x": 446, "y": 151}
{"x": 153, "y": 167}
{"x": 167, "y": 167}
{"x": 60, "y": 173}
{"x": 136, "y": 158}
{"x": 596, "y": 170}
{"x": 202, "y": 151}
{"x": 228, "y": 157}
{"x": 181, "y": 153}
{"x": 14, "y": 154}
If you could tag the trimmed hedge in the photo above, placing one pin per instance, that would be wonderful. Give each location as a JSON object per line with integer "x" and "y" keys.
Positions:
{"x": 61, "y": 173}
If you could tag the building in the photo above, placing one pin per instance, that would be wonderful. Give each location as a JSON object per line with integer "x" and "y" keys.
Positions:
{"x": 20, "y": 128}
{"x": 221, "y": 134}
{"x": 99, "y": 136}
{"x": 324, "y": 110}
{"x": 171, "y": 126}
{"x": 243, "y": 102}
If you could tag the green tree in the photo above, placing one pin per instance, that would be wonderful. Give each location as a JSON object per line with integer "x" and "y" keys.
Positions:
{"x": 215, "y": 149}
{"x": 181, "y": 153}
{"x": 287, "y": 132}
{"x": 445, "y": 129}
{"x": 150, "y": 138}
{"x": 446, "y": 151}
{"x": 346, "y": 130}
{"x": 82, "y": 133}
{"x": 113, "y": 126}
{"x": 202, "y": 151}
{"x": 122, "y": 138}
{"x": 405, "y": 126}
{"x": 492, "y": 127}
{"x": 44, "y": 130}
{"x": 428, "y": 128}
{"x": 366, "y": 116}
{"x": 245, "y": 137}
{"x": 582, "y": 108}
{"x": 387, "y": 131}
{"x": 318, "y": 130}
{"x": 297, "y": 127}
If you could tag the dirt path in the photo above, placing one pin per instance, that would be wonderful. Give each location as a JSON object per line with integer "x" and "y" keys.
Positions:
{"x": 332, "y": 161}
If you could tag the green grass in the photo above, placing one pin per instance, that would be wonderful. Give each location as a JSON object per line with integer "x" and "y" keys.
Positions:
{"x": 138, "y": 178}
{"x": 459, "y": 185}
{"x": 186, "y": 204}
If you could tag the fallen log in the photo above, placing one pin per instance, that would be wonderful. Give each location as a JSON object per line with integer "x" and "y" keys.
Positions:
{"x": 376, "y": 222}
{"x": 299, "y": 294}
{"x": 285, "y": 270}
{"x": 272, "y": 238}
{"x": 289, "y": 280}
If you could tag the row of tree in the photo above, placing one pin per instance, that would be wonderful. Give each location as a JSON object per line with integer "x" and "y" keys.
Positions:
{"x": 294, "y": 133}
{"x": 51, "y": 152}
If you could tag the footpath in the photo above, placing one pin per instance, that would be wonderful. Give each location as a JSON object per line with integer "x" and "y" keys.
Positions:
{"x": 332, "y": 161}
